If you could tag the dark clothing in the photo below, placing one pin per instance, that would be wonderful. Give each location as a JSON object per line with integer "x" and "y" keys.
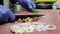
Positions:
{"x": 1, "y": 2}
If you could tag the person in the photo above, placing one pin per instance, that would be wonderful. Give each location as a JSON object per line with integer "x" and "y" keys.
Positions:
{"x": 29, "y": 5}
{"x": 7, "y": 15}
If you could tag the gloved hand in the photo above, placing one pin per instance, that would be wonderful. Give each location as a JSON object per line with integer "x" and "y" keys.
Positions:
{"x": 6, "y": 14}
{"x": 27, "y": 4}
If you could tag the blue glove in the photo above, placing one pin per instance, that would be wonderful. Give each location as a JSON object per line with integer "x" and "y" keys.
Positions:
{"x": 27, "y": 4}
{"x": 6, "y": 14}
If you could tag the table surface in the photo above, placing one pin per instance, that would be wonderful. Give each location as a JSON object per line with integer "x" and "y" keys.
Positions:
{"x": 51, "y": 17}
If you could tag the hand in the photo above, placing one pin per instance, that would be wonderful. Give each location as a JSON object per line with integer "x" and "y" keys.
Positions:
{"x": 27, "y": 4}
{"x": 6, "y": 14}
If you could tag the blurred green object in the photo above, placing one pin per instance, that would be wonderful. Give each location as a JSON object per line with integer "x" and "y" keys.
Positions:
{"x": 35, "y": 11}
{"x": 45, "y": 0}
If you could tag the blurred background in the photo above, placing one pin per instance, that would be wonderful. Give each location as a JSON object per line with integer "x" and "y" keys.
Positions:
{"x": 41, "y": 4}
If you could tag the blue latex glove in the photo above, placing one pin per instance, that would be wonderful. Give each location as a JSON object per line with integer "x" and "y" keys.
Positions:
{"x": 6, "y": 14}
{"x": 27, "y": 4}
